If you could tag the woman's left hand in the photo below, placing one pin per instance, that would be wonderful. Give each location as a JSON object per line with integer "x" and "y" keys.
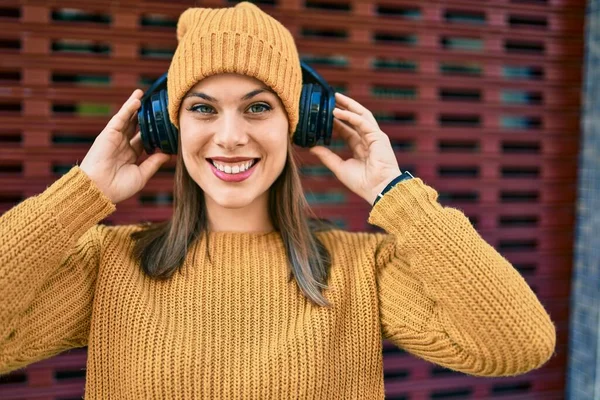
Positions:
{"x": 373, "y": 164}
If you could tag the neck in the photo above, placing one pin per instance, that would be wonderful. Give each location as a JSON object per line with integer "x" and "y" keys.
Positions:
{"x": 253, "y": 218}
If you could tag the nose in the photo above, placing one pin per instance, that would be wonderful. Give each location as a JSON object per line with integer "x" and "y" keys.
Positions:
{"x": 231, "y": 133}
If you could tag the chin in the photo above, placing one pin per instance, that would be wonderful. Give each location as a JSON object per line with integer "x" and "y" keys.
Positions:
{"x": 233, "y": 204}
{"x": 232, "y": 200}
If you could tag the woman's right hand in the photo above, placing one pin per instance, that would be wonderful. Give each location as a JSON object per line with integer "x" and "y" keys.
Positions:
{"x": 111, "y": 161}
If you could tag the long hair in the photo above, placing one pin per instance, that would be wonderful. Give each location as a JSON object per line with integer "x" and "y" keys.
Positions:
{"x": 161, "y": 248}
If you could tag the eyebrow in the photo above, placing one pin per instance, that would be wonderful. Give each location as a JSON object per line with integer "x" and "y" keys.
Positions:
{"x": 245, "y": 97}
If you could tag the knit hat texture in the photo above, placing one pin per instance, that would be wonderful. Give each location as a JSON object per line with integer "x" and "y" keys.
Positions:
{"x": 241, "y": 39}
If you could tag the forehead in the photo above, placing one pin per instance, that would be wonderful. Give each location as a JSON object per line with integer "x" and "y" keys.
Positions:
{"x": 230, "y": 81}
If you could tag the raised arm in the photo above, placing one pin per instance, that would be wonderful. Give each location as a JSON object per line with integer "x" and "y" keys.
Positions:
{"x": 50, "y": 246}
{"x": 49, "y": 256}
{"x": 447, "y": 296}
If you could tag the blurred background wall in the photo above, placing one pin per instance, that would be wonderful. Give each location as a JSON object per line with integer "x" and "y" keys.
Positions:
{"x": 481, "y": 99}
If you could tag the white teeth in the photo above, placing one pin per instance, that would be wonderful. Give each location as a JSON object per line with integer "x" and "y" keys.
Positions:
{"x": 235, "y": 168}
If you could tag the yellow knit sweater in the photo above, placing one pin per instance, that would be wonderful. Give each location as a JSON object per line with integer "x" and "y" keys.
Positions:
{"x": 238, "y": 328}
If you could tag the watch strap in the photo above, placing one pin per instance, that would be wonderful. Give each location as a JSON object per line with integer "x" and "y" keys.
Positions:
{"x": 402, "y": 177}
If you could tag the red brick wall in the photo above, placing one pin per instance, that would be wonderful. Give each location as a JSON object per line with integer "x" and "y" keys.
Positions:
{"x": 479, "y": 98}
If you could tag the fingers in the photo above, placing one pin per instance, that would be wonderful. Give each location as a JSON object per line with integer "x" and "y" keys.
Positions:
{"x": 355, "y": 142}
{"x": 346, "y": 103}
{"x": 136, "y": 144}
{"x": 132, "y": 126}
{"x": 361, "y": 125}
{"x": 123, "y": 117}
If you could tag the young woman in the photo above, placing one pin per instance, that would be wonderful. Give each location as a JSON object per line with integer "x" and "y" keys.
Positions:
{"x": 239, "y": 295}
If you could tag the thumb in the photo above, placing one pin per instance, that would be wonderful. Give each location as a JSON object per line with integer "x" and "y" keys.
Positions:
{"x": 149, "y": 167}
{"x": 328, "y": 157}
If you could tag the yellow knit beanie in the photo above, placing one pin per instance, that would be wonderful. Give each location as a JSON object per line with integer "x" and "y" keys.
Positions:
{"x": 241, "y": 39}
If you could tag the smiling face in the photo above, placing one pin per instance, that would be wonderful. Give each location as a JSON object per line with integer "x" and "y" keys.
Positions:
{"x": 234, "y": 137}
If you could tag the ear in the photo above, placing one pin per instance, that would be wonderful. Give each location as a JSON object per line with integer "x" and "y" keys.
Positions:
{"x": 184, "y": 22}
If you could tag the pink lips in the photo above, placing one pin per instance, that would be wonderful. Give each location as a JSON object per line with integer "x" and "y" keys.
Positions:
{"x": 239, "y": 177}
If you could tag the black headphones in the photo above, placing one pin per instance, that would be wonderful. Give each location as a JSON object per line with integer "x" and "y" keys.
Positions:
{"x": 315, "y": 120}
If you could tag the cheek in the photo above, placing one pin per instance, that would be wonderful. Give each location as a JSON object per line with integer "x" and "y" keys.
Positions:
{"x": 192, "y": 139}
{"x": 278, "y": 152}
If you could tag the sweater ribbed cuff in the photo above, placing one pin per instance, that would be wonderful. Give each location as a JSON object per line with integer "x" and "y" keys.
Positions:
{"x": 77, "y": 202}
{"x": 404, "y": 205}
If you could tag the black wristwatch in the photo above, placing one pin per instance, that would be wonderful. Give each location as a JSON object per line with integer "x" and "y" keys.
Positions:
{"x": 402, "y": 177}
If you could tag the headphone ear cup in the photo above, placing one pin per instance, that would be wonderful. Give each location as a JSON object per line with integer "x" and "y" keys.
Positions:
{"x": 156, "y": 128}
{"x": 327, "y": 116}
{"x": 169, "y": 131}
{"x": 300, "y": 135}
{"x": 145, "y": 123}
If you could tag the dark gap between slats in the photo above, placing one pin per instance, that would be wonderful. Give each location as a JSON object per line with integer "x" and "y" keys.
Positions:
{"x": 518, "y": 245}
{"x": 10, "y": 76}
{"x": 520, "y": 172}
{"x": 458, "y": 146}
{"x": 157, "y": 21}
{"x": 518, "y": 221}
{"x": 471, "y": 95}
{"x": 439, "y": 371}
{"x": 395, "y": 117}
{"x": 463, "y": 393}
{"x": 398, "y": 375}
{"x": 525, "y": 268}
{"x": 10, "y": 169}
{"x": 9, "y": 198}
{"x": 81, "y": 79}
{"x": 395, "y": 38}
{"x": 531, "y": 72}
{"x": 528, "y": 21}
{"x": 11, "y": 137}
{"x": 396, "y": 65}
{"x": 79, "y": 16}
{"x": 521, "y": 147}
{"x": 405, "y": 12}
{"x": 72, "y": 138}
{"x": 61, "y": 169}
{"x": 451, "y": 120}
{"x": 459, "y": 172}
{"x": 10, "y": 44}
{"x": 519, "y": 46}
{"x": 462, "y": 197}
{"x": 10, "y": 108}
{"x": 327, "y": 6}
{"x": 516, "y": 196}
{"x": 13, "y": 377}
{"x": 461, "y": 69}
{"x": 62, "y": 375}
{"x": 511, "y": 388}
{"x": 468, "y": 17}
{"x": 336, "y": 61}
{"x": 10, "y": 12}
{"x": 394, "y": 92}
{"x": 80, "y": 47}
{"x": 324, "y": 33}
{"x": 154, "y": 52}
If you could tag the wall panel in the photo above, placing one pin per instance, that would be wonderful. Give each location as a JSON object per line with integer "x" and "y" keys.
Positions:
{"x": 481, "y": 99}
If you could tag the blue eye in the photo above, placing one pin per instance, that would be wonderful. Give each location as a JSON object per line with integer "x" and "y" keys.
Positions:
{"x": 202, "y": 108}
{"x": 262, "y": 107}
